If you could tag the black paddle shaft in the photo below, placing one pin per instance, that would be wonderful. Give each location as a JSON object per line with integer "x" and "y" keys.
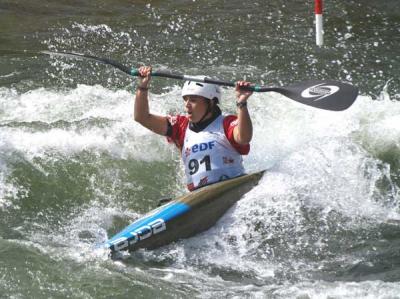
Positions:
{"x": 328, "y": 95}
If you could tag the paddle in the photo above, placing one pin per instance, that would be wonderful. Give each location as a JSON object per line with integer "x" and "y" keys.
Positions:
{"x": 328, "y": 95}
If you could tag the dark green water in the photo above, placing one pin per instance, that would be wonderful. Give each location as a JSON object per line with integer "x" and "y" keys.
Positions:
{"x": 75, "y": 168}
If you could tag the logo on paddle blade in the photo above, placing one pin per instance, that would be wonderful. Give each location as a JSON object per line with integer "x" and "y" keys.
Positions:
{"x": 319, "y": 91}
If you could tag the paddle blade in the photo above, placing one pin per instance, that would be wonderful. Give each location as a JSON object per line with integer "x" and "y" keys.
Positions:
{"x": 328, "y": 95}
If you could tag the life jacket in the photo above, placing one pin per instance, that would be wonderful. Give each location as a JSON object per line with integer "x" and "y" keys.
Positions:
{"x": 209, "y": 157}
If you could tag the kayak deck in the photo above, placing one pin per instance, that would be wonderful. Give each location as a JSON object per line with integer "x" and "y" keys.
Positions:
{"x": 184, "y": 217}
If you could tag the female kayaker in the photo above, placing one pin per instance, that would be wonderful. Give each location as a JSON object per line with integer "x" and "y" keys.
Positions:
{"x": 211, "y": 144}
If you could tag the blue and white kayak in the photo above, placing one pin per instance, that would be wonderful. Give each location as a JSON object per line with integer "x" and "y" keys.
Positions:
{"x": 183, "y": 217}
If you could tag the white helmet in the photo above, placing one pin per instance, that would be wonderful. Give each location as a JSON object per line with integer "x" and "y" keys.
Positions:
{"x": 206, "y": 90}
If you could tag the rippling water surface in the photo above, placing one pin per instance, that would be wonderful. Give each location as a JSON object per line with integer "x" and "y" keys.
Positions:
{"x": 324, "y": 221}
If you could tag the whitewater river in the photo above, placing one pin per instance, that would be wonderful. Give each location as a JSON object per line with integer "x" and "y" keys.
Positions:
{"x": 324, "y": 222}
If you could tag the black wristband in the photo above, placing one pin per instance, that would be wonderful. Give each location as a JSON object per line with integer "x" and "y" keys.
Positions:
{"x": 143, "y": 88}
{"x": 240, "y": 105}
{"x": 169, "y": 129}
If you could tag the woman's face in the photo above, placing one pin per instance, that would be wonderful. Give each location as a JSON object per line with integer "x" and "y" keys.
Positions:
{"x": 196, "y": 107}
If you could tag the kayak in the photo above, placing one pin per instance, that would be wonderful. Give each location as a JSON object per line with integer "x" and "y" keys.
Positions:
{"x": 183, "y": 217}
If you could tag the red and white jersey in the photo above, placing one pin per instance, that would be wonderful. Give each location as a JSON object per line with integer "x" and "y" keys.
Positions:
{"x": 210, "y": 155}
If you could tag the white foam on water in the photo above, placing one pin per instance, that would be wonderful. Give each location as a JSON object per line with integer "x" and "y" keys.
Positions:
{"x": 350, "y": 290}
{"x": 49, "y": 105}
{"x": 53, "y": 125}
{"x": 7, "y": 191}
{"x": 121, "y": 137}
{"x": 316, "y": 159}
{"x": 10, "y": 191}
{"x": 79, "y": 238}
{"x": 380, "y": 131}
{"x": 323, "y": 150}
